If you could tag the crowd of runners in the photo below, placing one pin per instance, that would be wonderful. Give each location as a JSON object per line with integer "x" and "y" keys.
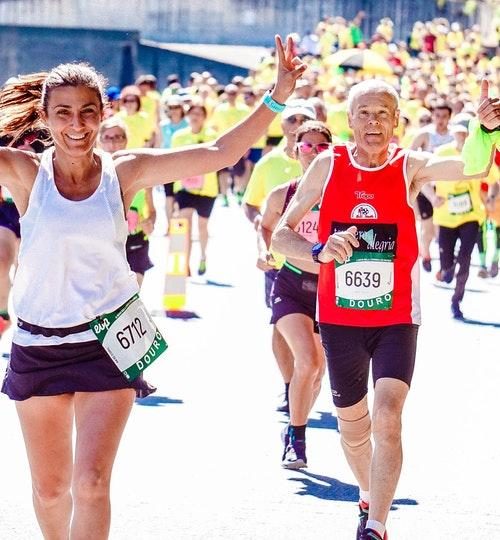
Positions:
{"x": 352, "y": 180}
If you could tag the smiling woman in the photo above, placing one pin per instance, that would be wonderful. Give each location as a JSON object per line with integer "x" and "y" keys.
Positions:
{"x": 73, "y": 276}
{"x": 25, "y": 97}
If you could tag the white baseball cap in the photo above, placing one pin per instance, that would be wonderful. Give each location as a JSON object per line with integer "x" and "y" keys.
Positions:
{"x": 299, "y": 106}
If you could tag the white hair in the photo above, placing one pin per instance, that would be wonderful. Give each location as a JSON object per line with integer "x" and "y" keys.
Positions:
{"x": 372, "y": 86}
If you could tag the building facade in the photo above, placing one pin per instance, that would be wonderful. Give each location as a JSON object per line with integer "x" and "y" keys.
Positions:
{"x": 244, "y": 22}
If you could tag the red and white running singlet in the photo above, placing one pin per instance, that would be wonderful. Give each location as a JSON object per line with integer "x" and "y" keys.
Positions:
{"x": 379, "y": 284}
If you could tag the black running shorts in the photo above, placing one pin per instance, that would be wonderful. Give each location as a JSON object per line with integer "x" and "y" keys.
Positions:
{"x": 202, "y": 204}
{"x": 425, "y": 208}
{"x": 169, "y": 189}
{"x": 9, "y": 217}
{"x": 294, "y": 293}
{"x": 349, "y": 349}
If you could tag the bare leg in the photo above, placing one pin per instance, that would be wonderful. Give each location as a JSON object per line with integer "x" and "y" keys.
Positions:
{"x": 320, "y": 353}
{"x": 309, "y": 362}
{"x": 203, "y": 235}
{"x": 283, "y": 355}
{"x": 100, "y": 420}
{"x": 241, "y": 182}
{"x": 47, "y": 424}
{"x": 169, "y": 209}
{"x": 390, "y": 396}
{"x": 140, "y": 278}
{"x": 187, "y": 213}
{"x": 426, "y": 236}
{"x": 224, "y": 180}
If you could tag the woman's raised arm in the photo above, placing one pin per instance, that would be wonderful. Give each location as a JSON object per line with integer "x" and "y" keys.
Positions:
{"x": 148, "y": 167}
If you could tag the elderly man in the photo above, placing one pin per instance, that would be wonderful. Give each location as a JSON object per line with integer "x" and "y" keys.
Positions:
{"x": 368, "y": 291}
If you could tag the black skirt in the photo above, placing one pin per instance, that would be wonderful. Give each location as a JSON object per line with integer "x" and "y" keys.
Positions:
{"x": 64, "y": 369}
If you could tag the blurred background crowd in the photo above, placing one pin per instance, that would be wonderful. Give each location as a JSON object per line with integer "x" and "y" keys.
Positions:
{"x": 437, "y": 71}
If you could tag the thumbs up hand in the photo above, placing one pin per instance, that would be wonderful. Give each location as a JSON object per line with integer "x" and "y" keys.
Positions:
{"x": 488, "y": 112}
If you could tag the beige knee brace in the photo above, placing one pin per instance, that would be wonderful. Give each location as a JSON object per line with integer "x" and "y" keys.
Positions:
{"x": 355, "y": 435}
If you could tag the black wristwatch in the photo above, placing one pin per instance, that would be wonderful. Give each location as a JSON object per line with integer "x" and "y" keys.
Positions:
{"x": 316, "y": 250}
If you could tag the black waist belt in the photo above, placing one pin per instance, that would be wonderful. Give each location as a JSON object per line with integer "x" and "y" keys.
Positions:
{"x": 49, "y": 332}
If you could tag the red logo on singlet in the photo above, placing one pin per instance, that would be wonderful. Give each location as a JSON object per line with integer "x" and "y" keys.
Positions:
{"x": 364, "y": 211}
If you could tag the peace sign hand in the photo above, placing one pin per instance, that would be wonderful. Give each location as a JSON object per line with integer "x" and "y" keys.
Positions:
{"x": 488, "y": 112}
{"x": 290, "y": 68}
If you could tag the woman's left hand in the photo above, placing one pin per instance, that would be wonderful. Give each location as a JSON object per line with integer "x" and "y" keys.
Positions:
{"x": 290, "y": 68}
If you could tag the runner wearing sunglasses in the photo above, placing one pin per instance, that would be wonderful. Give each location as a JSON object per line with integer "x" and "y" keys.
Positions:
{"x": 305, "y": 147}
{"x": 294, "y": 299}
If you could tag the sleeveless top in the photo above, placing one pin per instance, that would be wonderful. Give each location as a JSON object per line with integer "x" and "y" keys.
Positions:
{"x": 72, "y": 262}
{"x": 308, "y": 225}
{"x": 379, "y": 284}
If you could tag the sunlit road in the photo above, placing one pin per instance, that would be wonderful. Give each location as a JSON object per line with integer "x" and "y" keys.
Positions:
{"x": 200, "y": 459}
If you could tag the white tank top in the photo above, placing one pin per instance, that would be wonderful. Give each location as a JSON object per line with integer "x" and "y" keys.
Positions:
{"x": 72, "y": 260}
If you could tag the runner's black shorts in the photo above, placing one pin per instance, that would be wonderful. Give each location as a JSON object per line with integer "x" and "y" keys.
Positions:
{"x": 137, "y": 249}
{"x": 238, "y": 169}
{"x": 273, "y": 141}
{"x": 269, "y": 278}
{"x": 169, "y": 189}
{"x": 425, "y": 208}
{"x": 203, "y": 205}
{"x": 349, "y": 349}
{"x": 9, "y": 217}
{"x": 294, "y": 293}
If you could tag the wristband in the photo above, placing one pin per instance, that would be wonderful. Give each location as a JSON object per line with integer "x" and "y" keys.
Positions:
{"x": 272, "y": 104}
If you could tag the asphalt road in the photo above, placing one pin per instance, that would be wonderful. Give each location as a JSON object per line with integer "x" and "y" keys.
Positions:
{"x": 200, "y": 459}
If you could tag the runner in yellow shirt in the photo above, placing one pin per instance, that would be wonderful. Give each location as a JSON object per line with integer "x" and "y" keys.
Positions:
{"x": 225, "y": 116}
{"x": 196, "y": 193}
{"x": 458, "y": 210}
{"x": 137, "y": 121}
{"x": 255, "y": 153}
{"x": 150, "y": 103}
